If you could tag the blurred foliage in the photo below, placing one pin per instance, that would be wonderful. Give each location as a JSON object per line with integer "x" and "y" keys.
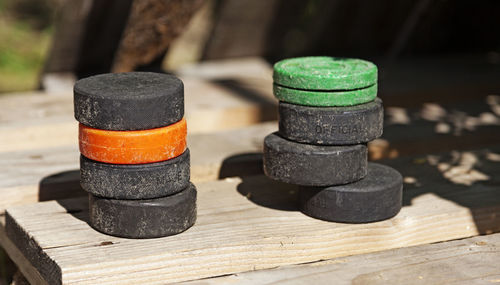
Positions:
{"x": 25, "y": 32}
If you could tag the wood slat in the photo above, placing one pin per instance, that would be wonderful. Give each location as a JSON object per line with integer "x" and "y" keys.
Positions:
{"x": 17, "y": 256}
{"x": 253, "y": 224}
{"x": 467, "y": 261}
{"x": 230, "y": 153}
{"x": 221, "y": 101}
{"x": 52, "y": 173}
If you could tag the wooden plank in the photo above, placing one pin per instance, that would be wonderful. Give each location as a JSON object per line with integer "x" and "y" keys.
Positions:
{"x": 48, "y": 121}
{"x": 42, "y": 174}
{"x": 467, "y": 261}
{"x": 230, "y": 153}
{"x": 33, "y": 120}
{"x": 225, "y": 154}
{"x": 253, "y": 224}
{"x": 17, "y": 256}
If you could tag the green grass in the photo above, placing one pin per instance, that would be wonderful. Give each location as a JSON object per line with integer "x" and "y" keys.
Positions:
{"x": 22, "y": 53}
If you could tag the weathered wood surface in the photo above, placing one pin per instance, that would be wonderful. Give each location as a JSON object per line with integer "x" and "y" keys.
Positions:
{"x": 467, "y": 261}
{"x": 44, "y": 141}
{"x": 253, "y": 224}
{"x": 23, "y": 264}
{"x": 49, "y": 173}
{"x": 44, "y": 145}
{"x": 231, "y": 100}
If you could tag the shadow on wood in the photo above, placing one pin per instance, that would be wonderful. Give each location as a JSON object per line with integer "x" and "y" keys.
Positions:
{"x": 269, "y": 107}
{"x": 282, "y": 197}
{"x": 470, "y": 185}
{"x": 241, "y": 165}
{"x": 61, "y": 185}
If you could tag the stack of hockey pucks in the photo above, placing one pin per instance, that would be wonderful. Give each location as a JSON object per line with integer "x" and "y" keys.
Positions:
{"x": 134, "y": 161}
{"x": 328, "y": 111}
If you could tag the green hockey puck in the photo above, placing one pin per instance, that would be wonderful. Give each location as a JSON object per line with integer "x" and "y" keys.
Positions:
{"x": 325, "y": 98}
{"x": 325, "y": 73}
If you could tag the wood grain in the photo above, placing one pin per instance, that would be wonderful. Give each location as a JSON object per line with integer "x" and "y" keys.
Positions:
{"x": 42, "y": 174}
{"x": 251, "y": 224}
{"x": 226, "y": 101}
{"x": 17, "y": 256}
{"x": 48, "y": 149}
{"x": 467, "y": 261}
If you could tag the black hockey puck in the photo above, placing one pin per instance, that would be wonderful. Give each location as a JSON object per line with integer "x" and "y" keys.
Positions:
{"x": 376, "y": 197}
{"x": 313, "y": 165}
{"x": 331, "y": 125}
{"x": 129, "y": 101}
{"x": 135, "y": 181}
{"x": 144, "y": 218}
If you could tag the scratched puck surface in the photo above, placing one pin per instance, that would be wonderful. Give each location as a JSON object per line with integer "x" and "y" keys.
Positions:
{"x": 325, "y": 73}
{"x": 374, "y": 198}
{"x": 313, "y": 165}
{"x": 331, "y": 125}
{"x": 135, "y": 181}
{"x": 133, "y": 147}
{"x": 325, "y": 98}
{"x": 129, "y": 101}
{"x": 150, "y": 218}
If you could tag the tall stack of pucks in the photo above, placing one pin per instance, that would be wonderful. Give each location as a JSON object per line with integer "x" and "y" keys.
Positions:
{"x": 134, "y": 161}
{"x": 328, "y": 111}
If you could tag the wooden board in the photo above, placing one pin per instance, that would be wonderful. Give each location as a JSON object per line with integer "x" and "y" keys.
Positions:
{"x": 467, "y": 261}
{"x": 32, "y": 150}
{"x": 42, "y": 174}
{"x": 35, "y": 149}
{"x": 17, "y": 256}
{"x": 227, "y": 101}
{"x": 253, "y": 224}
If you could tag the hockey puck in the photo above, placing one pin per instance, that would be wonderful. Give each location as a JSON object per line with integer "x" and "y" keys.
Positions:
{"x": 313, "y": 165}
{"x": 135, "y": 181}
{"x": 151, "y": 218}
{"x": 133, "y": 147}
{"x": 331, "y": 125}
{"x": 325, "y": 73}
{"x": 325, "y": 98}
{"x": 129, "y": 101}
{"x": 376, "y": 197}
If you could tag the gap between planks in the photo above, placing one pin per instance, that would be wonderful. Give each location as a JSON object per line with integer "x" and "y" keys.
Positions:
{"x": 246, "y": 225}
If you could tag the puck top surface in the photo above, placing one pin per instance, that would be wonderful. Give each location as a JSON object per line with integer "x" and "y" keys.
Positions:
{"x": 133, "y": 147}
{"x": 129, "y": 101}
{"x": 325, "y": 73}
{"x": 379, "y": 178}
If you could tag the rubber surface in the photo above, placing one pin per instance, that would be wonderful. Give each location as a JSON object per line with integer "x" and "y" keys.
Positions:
{"x": 312, "y": 165}
{"x": 135, "y": 181}
{"x": 331, "y": 125}
{"x": 133, "y": 147}
{"x": 376, "y": 197}
{"x": 129, "y": 101}
{"x": 144, "y": 218}
{"x": 325, "y": 98}
{"x": 325, "y": 73}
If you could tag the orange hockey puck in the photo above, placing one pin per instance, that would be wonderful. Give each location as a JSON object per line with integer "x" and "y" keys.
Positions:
{"x": 133, "y": 147}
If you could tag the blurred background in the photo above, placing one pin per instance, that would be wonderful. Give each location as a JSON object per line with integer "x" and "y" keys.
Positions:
{"x": 50, "y": 43}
